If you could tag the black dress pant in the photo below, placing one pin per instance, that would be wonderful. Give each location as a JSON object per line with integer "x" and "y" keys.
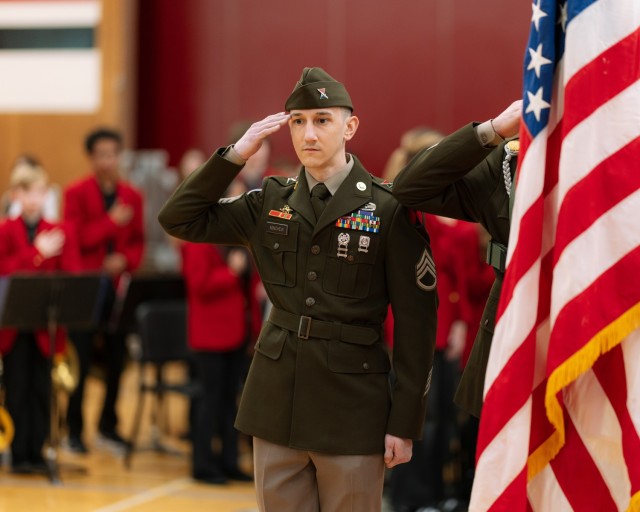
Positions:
{"x": 114, "y": 356}
{"x": 218, "y": 374}
{"x": 28, "y": 398}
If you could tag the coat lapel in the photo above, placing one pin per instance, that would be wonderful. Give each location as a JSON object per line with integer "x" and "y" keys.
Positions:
{"x": 299, "y": 199}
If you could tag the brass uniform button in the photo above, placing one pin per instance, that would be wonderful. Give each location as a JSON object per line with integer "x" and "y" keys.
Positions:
{"x": 350, "y": 257}
{"x": 310, "y": 301}
{"x": 365, "y": 366}
{"x": 312, "y": 276}
{"x": 315, "y": 249}
{"x": 276, "y": 245}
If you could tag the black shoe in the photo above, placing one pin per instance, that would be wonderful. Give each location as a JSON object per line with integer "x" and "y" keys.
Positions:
{"x": 214, "y": 479}
{"x": 39, "y": 466}
{"x": 75, "y": 445}
{"x": 21, "y": 468}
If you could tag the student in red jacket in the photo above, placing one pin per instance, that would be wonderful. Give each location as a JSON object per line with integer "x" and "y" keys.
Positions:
{"x": 30, "y": 244}
{"x": 108, "y": 216}
{"x": 217, "y": 333}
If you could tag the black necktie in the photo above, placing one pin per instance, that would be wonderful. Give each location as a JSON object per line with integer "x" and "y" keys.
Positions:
{"x": 319, "y": 195}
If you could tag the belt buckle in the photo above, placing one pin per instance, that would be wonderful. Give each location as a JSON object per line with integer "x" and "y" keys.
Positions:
{"x": 304, "y": 328}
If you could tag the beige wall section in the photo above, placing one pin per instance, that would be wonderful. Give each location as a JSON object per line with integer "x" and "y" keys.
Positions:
{"x": 58, "y": 139}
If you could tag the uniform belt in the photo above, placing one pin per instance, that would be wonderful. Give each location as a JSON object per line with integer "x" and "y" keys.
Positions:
{"x": 307, "y": 327}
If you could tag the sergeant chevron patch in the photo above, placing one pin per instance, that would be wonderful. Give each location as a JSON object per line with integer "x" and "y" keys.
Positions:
{"x": 426, "y": 272}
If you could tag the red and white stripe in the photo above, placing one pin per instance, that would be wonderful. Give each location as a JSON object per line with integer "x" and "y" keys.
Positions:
{"x": 573, "y": 273}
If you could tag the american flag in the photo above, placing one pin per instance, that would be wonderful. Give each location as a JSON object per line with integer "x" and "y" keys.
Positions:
{"x": 561, "y": 418}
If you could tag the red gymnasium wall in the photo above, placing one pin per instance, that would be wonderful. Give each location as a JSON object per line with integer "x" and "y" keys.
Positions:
{"x": 204, "y": 64}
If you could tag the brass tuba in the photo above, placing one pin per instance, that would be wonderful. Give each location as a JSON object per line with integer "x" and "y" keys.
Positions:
{"x": 65, "y": 372}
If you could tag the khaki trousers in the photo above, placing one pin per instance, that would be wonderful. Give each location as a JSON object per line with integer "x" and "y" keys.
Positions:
{"x": 289, "y": 480}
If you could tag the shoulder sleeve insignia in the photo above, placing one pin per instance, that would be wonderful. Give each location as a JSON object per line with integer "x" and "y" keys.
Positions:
{"x": 227, "y": 200}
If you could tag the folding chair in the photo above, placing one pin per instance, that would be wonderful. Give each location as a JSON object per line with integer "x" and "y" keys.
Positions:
{"x": 162, "y": 329}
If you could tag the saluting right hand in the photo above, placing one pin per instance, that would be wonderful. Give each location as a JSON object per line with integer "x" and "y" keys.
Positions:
{"x": 252, "y": 140}
{"x": 49, "y": 243}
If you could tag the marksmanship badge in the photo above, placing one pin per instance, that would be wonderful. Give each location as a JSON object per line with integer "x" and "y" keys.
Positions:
{"x": 343, "y": 244}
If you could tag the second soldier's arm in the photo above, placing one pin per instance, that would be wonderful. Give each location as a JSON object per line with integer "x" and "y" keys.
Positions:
{"x": 450, "y": 179}
{"x": 458, "y": 177}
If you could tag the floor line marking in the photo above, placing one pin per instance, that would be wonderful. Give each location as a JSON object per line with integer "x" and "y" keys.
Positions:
{"x": 146, "y": 496}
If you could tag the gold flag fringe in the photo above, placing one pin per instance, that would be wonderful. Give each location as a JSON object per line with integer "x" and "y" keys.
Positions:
{"x": 634, "y": 505}
{"x": 580, "y": 362}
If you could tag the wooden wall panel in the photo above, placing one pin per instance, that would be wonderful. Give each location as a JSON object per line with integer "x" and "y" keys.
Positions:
{"x": 58, "y": 139}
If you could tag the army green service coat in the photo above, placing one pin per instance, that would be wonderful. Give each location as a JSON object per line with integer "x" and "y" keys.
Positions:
{"x": 329, "y": 392}
{"x": 461, "y": 179}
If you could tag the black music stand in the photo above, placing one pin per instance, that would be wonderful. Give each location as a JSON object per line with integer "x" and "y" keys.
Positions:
{"x": 49, "y": 301}
{"x": 135, "y": 289}
{"x": 132, "y": 291}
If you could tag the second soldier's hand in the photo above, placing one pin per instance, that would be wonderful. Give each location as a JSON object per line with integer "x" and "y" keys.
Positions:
{"x": 507, "y": 123}
{"x": 252, "y": 140}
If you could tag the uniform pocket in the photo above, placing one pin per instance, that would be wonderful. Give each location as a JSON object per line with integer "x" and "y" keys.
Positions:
{"x": 349, "y": 265}
{"x": 279, "y": 247}
{"x": 348, "y": 358}
{"x": 271, "y": 341}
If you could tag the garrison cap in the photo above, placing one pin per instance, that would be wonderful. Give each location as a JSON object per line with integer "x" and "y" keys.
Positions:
{"x": 317, "y": 89}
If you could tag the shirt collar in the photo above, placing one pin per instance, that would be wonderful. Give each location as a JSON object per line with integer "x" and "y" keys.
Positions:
{"x": 333, "y": 183}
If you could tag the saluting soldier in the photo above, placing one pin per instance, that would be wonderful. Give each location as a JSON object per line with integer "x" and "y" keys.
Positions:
{"x": 469, "y": 175}
{"x": 333, "y": 248}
